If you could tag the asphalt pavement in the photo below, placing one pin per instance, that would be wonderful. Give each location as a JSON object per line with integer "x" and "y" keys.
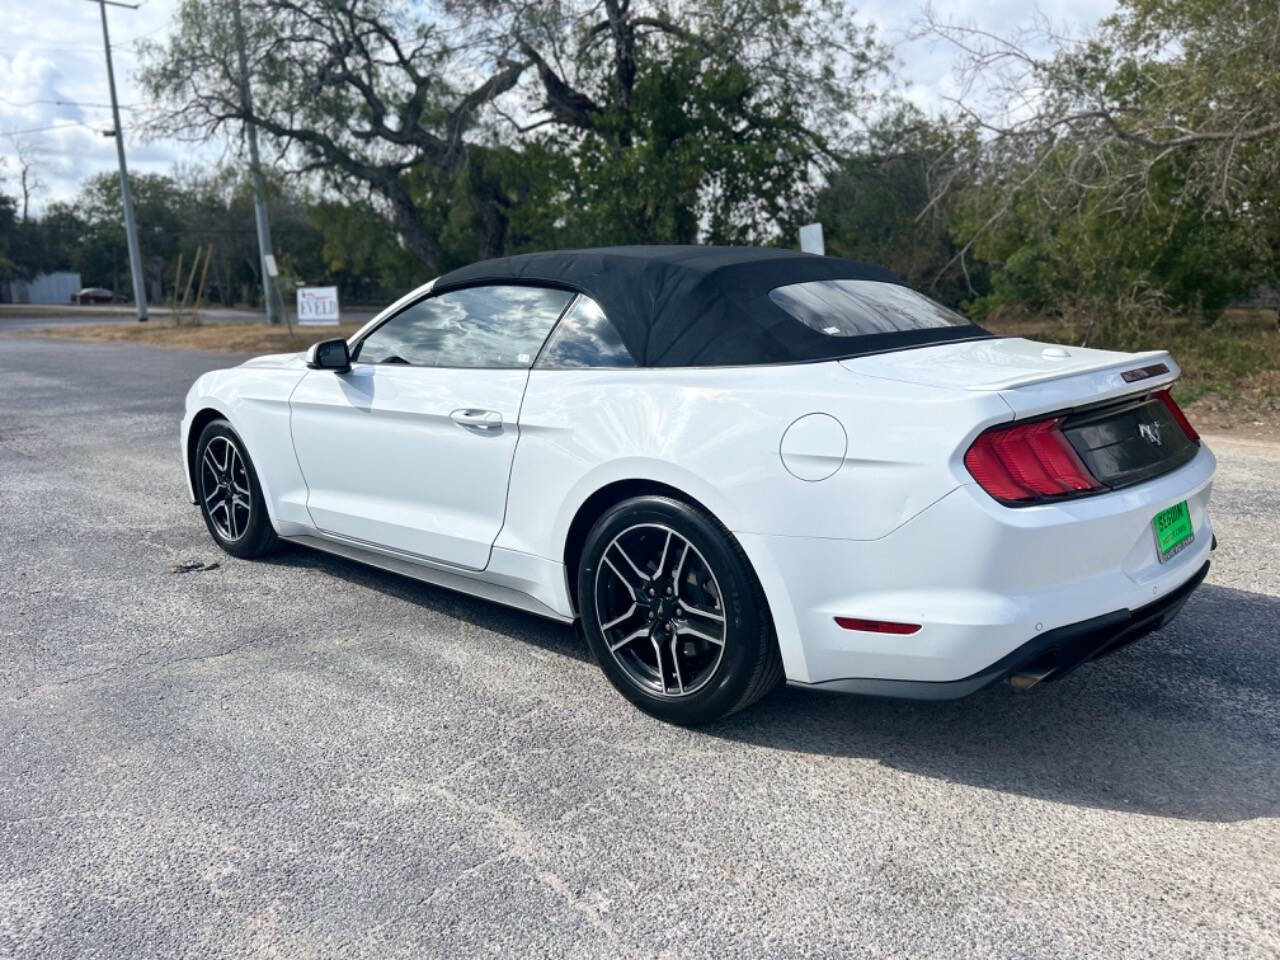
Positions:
{"x": 24, "y": 318}
{"x": 303, "y": 757}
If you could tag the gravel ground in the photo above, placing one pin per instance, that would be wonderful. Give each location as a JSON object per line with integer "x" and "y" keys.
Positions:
{"x": 302, "y": 757}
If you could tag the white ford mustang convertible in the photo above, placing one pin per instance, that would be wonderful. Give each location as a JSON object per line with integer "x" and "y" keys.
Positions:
{"x": 733, "y": 465}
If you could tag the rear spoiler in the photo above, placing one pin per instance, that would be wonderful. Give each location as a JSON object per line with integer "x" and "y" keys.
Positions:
{"x": 1031, "y": 396}
{"x": 1146, "y": 362}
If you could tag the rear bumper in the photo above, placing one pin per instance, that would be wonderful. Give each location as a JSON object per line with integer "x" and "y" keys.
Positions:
{"x": 980, "y": 579}
{"x": 1048, "y": 657}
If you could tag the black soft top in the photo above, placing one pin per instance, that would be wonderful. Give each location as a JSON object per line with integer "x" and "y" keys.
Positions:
{"x": 682, "y": 306}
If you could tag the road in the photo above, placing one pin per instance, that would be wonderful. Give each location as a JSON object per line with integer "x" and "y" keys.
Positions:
{"x": 25, "y": 317}
{"x": 20, "y": 317}
{"x": 302, "y": 757}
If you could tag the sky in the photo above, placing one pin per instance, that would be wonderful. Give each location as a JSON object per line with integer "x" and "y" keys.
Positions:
{"x": 53, "y": 74}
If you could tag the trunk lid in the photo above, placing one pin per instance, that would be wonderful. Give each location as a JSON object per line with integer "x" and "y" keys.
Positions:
{"x": 1033, "y": 378}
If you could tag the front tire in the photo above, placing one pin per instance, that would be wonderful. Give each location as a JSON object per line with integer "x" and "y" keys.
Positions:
{"x": 229, "y": 494}
{"x": 673, "y": 612}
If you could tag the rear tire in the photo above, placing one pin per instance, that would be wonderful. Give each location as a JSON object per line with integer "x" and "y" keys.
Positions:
{"x": 230, "y": 495}
{"x": 673, "y": 612}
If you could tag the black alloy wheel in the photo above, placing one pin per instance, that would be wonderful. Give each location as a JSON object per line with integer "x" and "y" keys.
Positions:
{"x": 674, "y": 613}
{"x": 229, "y": 494}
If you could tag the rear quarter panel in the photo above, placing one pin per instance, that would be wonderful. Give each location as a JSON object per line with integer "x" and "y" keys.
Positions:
{"x": 716, "y": 434}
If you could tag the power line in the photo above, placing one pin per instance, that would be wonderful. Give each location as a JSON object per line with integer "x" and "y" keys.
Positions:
{"x": 139, "y": 36}
{"x": 43, "y": 48}
{"x": 65, "y": 103}
{"x": 122, "y": 48}
{"x": 60, "y": 126}
{"x": 120, "y": 45}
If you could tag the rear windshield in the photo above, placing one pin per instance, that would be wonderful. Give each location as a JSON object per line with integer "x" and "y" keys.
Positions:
{"x": 857, "y": 308}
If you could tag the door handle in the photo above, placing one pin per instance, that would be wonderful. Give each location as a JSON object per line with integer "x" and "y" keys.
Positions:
{"x": 477, "y": 419}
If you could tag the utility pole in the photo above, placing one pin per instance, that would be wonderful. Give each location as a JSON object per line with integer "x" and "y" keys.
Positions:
{"x": 265, "y": 257}
{"x": 126, "y": 198}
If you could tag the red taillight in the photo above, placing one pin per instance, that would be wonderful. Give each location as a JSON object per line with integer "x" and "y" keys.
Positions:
{"x": 1175, "y": 411}
{"x": 1028, "y": 461}
{"x": 877, "y": 626}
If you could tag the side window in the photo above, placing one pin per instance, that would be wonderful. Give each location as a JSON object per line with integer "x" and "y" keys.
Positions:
{"x": 495, "y": 326}
{"x": 584, "y": 337}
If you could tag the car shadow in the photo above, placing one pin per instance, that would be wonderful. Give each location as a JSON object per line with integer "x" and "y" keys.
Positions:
{"x": 1184, "y": 723}
{"x": 484, "y": 614}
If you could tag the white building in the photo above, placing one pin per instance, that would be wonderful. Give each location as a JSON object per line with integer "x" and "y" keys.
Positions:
{"x": 45, "y": 288}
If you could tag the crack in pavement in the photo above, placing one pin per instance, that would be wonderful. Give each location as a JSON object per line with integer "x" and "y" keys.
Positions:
{"x": 524, "y": 847}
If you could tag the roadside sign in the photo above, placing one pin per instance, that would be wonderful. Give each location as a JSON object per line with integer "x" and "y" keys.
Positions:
{"x": 811, "y": 239}
{"x": 317, "y": 306}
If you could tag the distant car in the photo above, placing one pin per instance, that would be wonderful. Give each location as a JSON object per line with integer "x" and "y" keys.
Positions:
{"x": 93, "y": 295}
{"x": 734, "y": 465}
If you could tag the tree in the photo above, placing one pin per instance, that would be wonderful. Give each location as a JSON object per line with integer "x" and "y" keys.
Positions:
{"x": 1145, "y": 152}
{"x": 359, "y": 250}
{"x": 651, "y": 119}
{"x": 884, "y": 205}
{"x": 673, "y": 122}
{"x": 22, "y": 253}
{"x": 8, "y": 217}
{"x": 29, "y": 182}
{"x": 351, "y": 244}
{"x": 349, "y": 90}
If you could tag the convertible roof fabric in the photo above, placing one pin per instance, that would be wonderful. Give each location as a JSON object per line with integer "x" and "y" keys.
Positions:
{"x": 681, "y": 306}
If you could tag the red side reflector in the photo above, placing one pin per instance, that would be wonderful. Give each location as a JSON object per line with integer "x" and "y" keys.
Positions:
{"x": 877, "y": 626}
{"x": 1165, "y": 397}
{"x": 1028, "y": 461}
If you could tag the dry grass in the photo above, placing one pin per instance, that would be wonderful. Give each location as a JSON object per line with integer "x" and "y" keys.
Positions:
{"x": 247, "y": 338}
{"x": 1230, "y": 368}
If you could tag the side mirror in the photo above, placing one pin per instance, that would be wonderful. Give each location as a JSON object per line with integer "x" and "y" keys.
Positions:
{"x": 329, "y": 355}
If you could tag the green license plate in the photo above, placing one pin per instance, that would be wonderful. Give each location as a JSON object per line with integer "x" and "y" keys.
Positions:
{"x": 1173, "y": 531}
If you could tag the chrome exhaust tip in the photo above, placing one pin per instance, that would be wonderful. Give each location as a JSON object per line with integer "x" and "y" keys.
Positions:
{"x": 1026, "y": 679}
